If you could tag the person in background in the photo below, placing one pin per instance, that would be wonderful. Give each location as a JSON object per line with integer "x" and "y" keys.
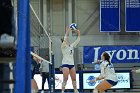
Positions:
{"x": 44, "y": 71}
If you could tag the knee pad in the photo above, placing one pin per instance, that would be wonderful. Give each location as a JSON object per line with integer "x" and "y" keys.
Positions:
{"x": 74, "y": 83}
{"x": 64, "y": 83}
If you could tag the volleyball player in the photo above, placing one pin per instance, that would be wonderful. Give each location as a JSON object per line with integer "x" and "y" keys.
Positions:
{"x": 108, "y": 75}
{"x": 68, "y": 60}
{"x": 34, "y": 66}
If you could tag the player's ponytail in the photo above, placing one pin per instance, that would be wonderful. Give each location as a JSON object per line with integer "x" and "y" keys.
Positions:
{"x": 107, "y": 57}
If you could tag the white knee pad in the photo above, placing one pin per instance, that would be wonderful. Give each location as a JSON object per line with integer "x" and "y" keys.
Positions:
{"x": 74, "y": 83}
{"x": 64, "y": 84}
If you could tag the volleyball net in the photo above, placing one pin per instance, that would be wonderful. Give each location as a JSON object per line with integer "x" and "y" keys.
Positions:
{"x": 40, "y": 38}
{"x": 42, "y": 42}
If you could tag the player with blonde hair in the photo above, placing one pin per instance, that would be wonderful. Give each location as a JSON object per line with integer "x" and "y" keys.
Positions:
{"x": 68, "y": 60}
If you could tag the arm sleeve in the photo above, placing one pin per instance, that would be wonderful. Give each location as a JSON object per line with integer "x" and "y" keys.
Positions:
{"x": 74, "y": 44}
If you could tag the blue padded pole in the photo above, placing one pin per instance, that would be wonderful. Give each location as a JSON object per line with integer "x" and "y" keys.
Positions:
{"x": 52, "y": 76}
{"x": 23, "y": 58}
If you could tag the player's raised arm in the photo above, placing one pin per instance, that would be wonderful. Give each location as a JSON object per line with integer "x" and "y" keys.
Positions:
{"x": 74, "y": 44}
{"x": 65, "y": 41}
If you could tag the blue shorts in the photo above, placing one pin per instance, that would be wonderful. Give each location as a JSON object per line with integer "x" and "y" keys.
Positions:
{"x": 68, "y": 66}
{"x": 32, "y": 74}
{"x": 112, "y": 82}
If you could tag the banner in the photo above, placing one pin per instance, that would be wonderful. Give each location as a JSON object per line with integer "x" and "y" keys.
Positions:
{"x": 132, "y": 17}
{"x": 58, "y": 81}
{"x": 109, "y": 15}
{"x": 118, "y": 54}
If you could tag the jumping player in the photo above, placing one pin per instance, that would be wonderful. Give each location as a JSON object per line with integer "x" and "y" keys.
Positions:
{"x": 68, "y": 60}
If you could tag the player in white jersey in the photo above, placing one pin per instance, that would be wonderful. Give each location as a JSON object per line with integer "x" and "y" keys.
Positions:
{"x": 107, "y": 74}
{"x": 68, "y": 60}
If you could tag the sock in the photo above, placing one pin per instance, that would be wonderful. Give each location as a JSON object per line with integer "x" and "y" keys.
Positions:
{"x": 34, "y": 90}
{"x": 102, "y": 92}
{"x": 95, "y": 91}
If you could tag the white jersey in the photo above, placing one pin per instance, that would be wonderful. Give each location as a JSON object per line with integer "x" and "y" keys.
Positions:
{"x": 107, "y": 71}
{"x": 68, "y": 52}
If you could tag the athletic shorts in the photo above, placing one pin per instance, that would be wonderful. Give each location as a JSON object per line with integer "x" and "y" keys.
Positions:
{"x": 113, "y": 83}
{"x": 32, "y": 75}
{"x": 68, "y": 66}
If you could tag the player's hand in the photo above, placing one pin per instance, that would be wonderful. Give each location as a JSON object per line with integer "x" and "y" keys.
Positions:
{"x": 68, "y": 29}
{"x": 96, "y": 62}
{"x": 78, "y": 32}
{"x": 92, "y": 81}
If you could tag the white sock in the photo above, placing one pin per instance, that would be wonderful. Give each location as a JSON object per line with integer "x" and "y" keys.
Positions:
{"x": 33, "y": 90}
{"x": 102, "y": 92}
{"x": 42, "y": 91}
{"x": 95, "y": 91}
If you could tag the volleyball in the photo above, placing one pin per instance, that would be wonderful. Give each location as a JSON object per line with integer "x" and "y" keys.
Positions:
{"x": 73, "y": 26}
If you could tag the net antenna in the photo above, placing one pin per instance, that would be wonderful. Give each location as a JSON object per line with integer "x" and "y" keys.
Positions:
{"x": 50, "y": 40}
{"x": 37, "y": 56}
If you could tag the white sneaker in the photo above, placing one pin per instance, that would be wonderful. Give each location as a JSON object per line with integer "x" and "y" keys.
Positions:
{"x": 42, "y": 91}
{"x": 76, "y": 91}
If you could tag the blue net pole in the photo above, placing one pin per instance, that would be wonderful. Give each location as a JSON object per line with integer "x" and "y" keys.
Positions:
{"x": 23, "y": 59}
{"x": 52, "y": 76}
